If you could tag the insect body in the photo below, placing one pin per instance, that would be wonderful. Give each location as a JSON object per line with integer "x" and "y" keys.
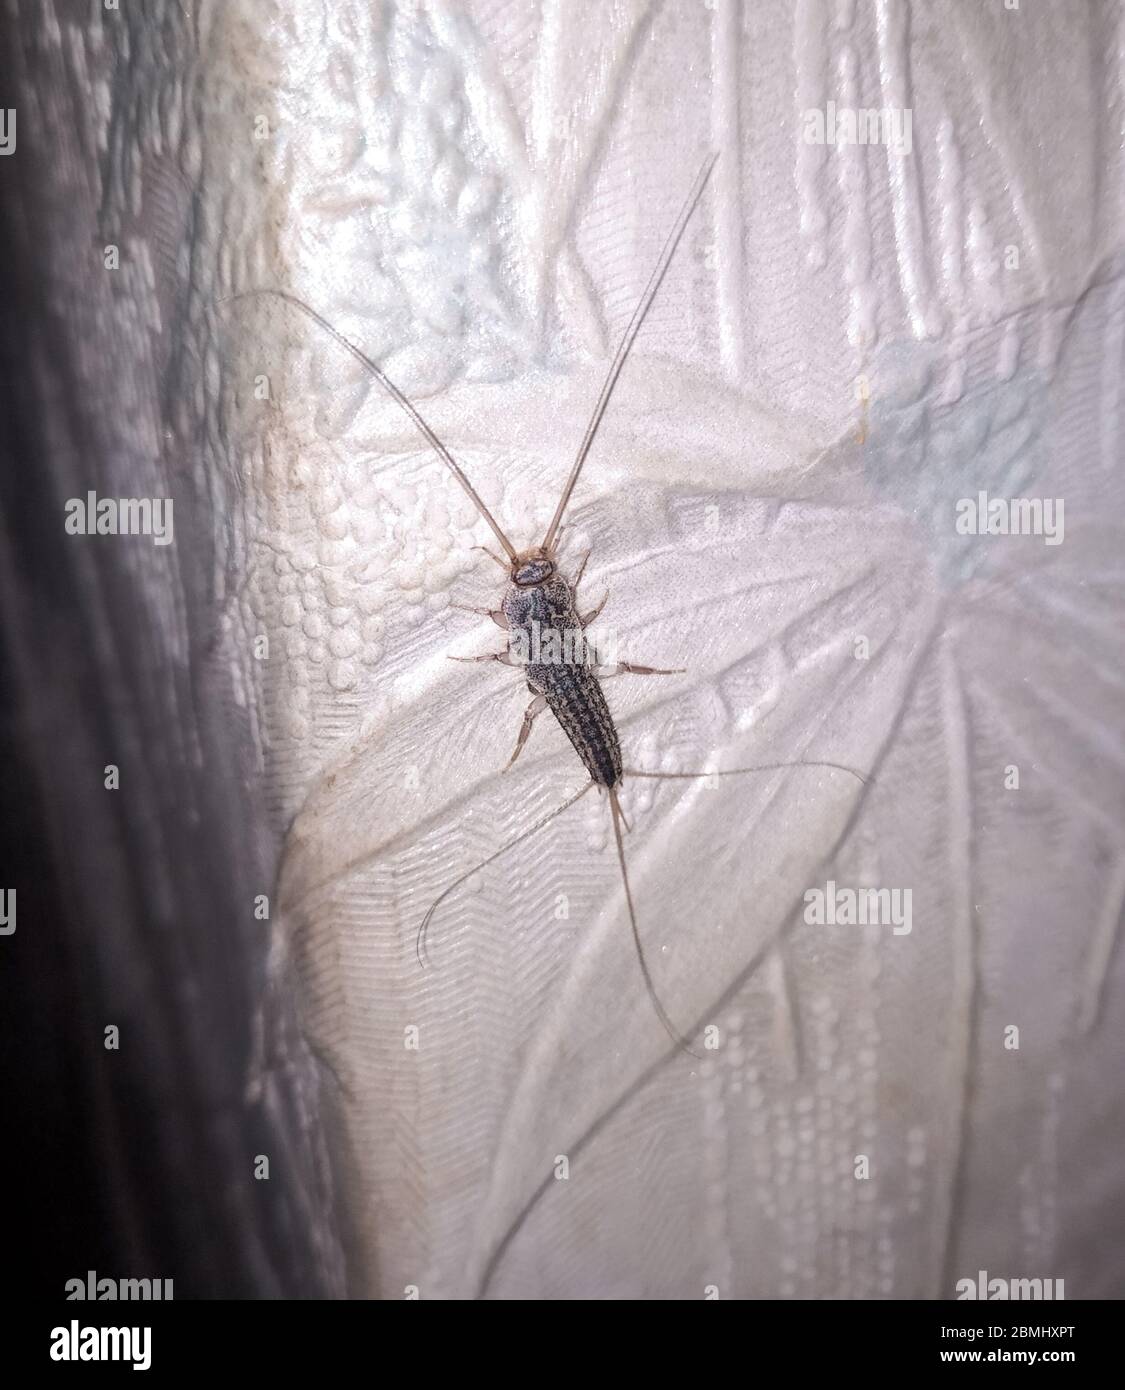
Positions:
{"x": 562, "y": 672}
{"x": 541, "y": 609}
{"x": 546, "y": 631}
{"x": 546, "y": 615}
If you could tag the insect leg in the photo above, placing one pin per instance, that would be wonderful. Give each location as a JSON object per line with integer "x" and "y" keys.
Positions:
{"x": 420, "y": 944}
{"x": 587, "y": 618}
{"x": 536, "y": 708}
{"x": 493, "y": 556}
{"x": 504, "y": 658}
{"x": 625, "y": 668}
{"x": 495, "y": 614}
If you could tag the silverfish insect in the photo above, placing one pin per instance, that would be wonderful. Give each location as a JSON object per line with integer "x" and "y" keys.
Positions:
{"x": 540, "y": 613}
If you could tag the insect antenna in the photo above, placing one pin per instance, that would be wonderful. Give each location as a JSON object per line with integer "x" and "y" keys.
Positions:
{"x": 398, "y": 396}
{"x": 661, "y": 1012}
{"x": 627, "y": 342}
{"x": 420, "y": 944}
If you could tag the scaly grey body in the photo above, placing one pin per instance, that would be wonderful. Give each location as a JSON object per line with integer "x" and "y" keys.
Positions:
{"x": 547, "y": 617}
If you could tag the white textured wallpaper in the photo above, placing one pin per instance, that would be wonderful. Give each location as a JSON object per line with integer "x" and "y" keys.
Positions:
{"x": 851, "y": 340}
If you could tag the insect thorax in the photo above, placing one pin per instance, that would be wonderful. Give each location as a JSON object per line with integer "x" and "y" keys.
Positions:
{"x": 549, "y": 605}
{"x": 544, "y": 629}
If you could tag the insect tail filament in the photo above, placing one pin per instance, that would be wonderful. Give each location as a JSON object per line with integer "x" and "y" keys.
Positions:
{"x": 420, "y": 944}
{"x": 738, "y": 771}
{"x": 661, "y": 1012}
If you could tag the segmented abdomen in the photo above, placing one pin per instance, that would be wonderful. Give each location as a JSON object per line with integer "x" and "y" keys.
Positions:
{"x": 578, "y": 703}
